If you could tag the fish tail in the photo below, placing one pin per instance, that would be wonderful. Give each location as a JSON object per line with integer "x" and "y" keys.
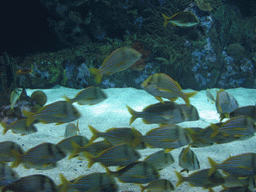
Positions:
{"x": 98, "y": 76}
{"x": 142, "y": 188}
{"x": 75, "y": 151}
{"x": 180, "y": 178}
{"x": 64, "y": 183}
{"x": 5, "y": 126}
{"x": 215, "y": 129}
{"x": 90, "y": 159}
{"x": 213, "y": 166}
{"x": 165, "y": 19}
{"x": 30, "y": 117}
{"x": 133, "y": 113}
{"x": 188, "y": 95}
{"x": 68, "y": 99}
{"x": 95, "y": 133}
{"x": 17, "y": 157}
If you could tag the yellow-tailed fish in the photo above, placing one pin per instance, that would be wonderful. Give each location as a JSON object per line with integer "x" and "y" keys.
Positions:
{"x": 119, "y": 155}
{"x": 116, "y": 136}
{"x": 188, "y": 160}
{"x": 89, "y": 96}
{"x": 7, "y": 174}
{"x": 249, "y": 111}
{"x": 201, "y": 179}
{"x": 20, "y": 127}
{"x": 6, "y": 148}
{"x": 91, "y": 182}
{"x": 165, "y": 113}
{"x": 242, "y": 165}
{"x": 118, "y": 60}
{"x": 182, "y": 19}
{"x": 58, "y": 112}
{"x": 66, "y": 144}
{"x": 160, "y": 185}
{"x": 201, "y": 136}
{"x": 71, "y": 130}
{"x": 235, "y": 181}
{"x": 161, "y": 85}
{"x": 32, "y": 183}
{"x": 42, "y": 154}
{"x": 137, "y": 172}
{"x": 15, "y": 95}
{"x": 160, "y": 159}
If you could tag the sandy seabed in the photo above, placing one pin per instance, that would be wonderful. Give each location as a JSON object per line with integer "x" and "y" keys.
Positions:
{"x": 113, "y": 113}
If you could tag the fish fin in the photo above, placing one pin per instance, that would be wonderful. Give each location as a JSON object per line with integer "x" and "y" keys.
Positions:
{"x": 95, "y": 133}
{"x": 173, "y": 99}
{"x": 5, "y": 126}
{"x": 133, "y": 113}
{"x": 165, "y": 19}
{"x": 181, "y": 179}
{"x": 64, "y": 183}
{"x": 98, "y": 76}
{"x": 213, "y": 166}
{"x": 191, "y": 94}
{"x": 215, "y": 129}
{"x": 142, "y": 188}
{"x": 75, "y": 150}
{"x": 66, "y": 98}
{"x": 159, "y": 99}
{"x": 167, "y": 150}
{"x": 90, "y": 159}
{"x": 17, "y": 157}
{"x": 59, "y": 123}
{"x": 184, "y": 170}
{"x": 30, "y": 117}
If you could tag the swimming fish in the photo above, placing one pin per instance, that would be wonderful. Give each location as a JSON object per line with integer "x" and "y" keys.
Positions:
{"x": 58, "y": 112}
{"x": 92, "y": 182}
{"x": 20, "y": 127}
{"x": 188, "y": 160}
{"x": 168, "y": 137}
{"x": 161, "y": 85}
{"x": 137, "y": 172}
{"x": 201, "y": 179}
{"x": 71, "y": 130}
{"x": 225, "y": 103}
{"x": 160, "y": 185}
{"x": 5, "y": 151}
{"x": 118, "y": 60}
{"x": 116, "y": 136}
{"x": 31, "y": 183}
{"x": 235, "y": 181}
{"x": 42, "y": 154}
{"x": 165, "y": 113}
{"x": 7, "y": 175}
{"x": 209, "y": 96}
{"x": 182, "y": 19}
{"x": 160, "y": 159}
{"x": 15, "y": 95}
{"x": 249, "y": 111}
{"x": 119, "y": 155}
{"x": 242, "y": 165}
{"x": 88, "y": 96}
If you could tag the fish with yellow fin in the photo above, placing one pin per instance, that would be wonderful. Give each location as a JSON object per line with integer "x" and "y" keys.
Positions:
{"x": 181, "y": 19}
{"x": 118, "y": 60}
{"x": 161, "y": 85}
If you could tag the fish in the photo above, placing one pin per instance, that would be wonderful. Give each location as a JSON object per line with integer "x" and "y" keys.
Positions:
{"x": 240, "y": 127}
{"x": 201, "y": 179}
{"x": 31, "y": 183}
{"x": 119, "y": 155}
{"x": 188, "y": 160}
{"x": 42, "y": 154}
{"x": 118, "y": 60}
{"x": 7, "y": 175}
{"x": 161, "y": 85}
{"x": 237, "y": 189}
{"x": 201, "y": 136}
{"x": 94, "y": 148}
{"x": 15, "y": 95}
{"x": 242, "y": 165}
{"x": 168, "y": 137}
{"x": 160, "y": 185}
{"x": 88, "y": 96}
{"x": 58, "y": 112}
{"x": 71, "y": 130}
{"x": 181, "y": 19}
{"x": 66, "y": 144}
{"x": 209, "y": 96}
{"x": 225, "y": 103}
{"x": 137, "y": 172}
{"x": 249, "y": 111}
{"x": 19, "y": 127}
{"x": 5, "y": 151}
{"x": 160, "y": 159}
{"x": 116, "y": 136}
{"x": 235, "y": 181}
{"x": 165, "y": 113}
{"x": 92, "y": 182}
